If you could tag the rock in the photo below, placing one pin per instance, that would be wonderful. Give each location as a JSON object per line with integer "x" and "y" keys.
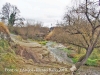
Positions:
{"x": 59, "y": 55}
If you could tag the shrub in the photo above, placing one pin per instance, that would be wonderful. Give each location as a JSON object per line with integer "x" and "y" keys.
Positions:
{"x": 31, "y": 32}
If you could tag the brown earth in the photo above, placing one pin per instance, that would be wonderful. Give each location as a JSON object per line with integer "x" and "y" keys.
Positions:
{"x": 39, "y": 58}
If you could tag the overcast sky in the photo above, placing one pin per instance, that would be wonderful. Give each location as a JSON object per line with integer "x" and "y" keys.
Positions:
{"x": 46, "y": 11}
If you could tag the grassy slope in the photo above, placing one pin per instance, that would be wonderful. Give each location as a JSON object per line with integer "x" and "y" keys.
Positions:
{"x": 93, "y": 60}
{"x": 12, "y": 64}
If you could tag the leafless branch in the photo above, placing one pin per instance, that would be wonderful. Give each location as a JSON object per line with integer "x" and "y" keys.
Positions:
{"x": 77, "y": 45}
{"x": 86, "y": 13}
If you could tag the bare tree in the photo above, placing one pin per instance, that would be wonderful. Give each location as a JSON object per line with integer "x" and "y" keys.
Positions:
{"x": 85, "y": 32}
{"x": 10, "y": 13}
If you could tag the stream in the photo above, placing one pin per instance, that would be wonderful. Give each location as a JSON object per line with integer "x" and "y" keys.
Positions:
{"x": 61, "y": 56}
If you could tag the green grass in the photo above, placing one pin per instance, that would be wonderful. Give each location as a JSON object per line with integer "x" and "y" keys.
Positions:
{"x": 74, "y": 60}
{"x": 43, "y": 42}
{"x": 4, "y": 43}
{"x": 92, "y": 60}
{"x": 67, "y": 50}
{"x": 89, "y": 62}
{"x": 8, "y": 58}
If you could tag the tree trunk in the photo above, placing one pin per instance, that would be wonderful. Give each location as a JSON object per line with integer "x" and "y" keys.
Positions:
{"x": 79, "y": 50}
{"x": 82, "y": 60}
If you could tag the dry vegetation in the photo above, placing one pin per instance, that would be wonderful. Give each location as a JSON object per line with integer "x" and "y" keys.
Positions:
{"x": 4, "y": 32}
{"x": 58, "y": 34}
{"x": 35, "y": 31}
{"x": 3, "y": 28}
{"x": 81, "y": 30}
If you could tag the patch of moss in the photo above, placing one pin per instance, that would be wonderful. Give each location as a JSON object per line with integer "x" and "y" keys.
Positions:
{"x": 91, "y": 62}
{"x": 43, "y": 42}
{"x": 4, "y": 44}
{"x": 74, "y": 60}
{"x": 67, "y": 50}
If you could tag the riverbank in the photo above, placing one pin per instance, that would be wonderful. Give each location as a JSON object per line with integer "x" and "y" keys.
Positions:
{"x": 59, "y": 52}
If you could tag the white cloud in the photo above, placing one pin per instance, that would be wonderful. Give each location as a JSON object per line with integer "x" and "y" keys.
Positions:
{"x": 47, "y": 11}
{"x": 11, "y": 1}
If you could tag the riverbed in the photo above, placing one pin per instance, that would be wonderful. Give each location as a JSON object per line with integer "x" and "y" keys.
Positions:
{"x": 55, "y": 49}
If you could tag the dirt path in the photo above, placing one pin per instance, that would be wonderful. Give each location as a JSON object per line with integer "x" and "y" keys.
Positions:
{"x": 22, "y": 42}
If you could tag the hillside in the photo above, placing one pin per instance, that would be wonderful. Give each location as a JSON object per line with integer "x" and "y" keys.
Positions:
{"x": 29, "y": 58}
